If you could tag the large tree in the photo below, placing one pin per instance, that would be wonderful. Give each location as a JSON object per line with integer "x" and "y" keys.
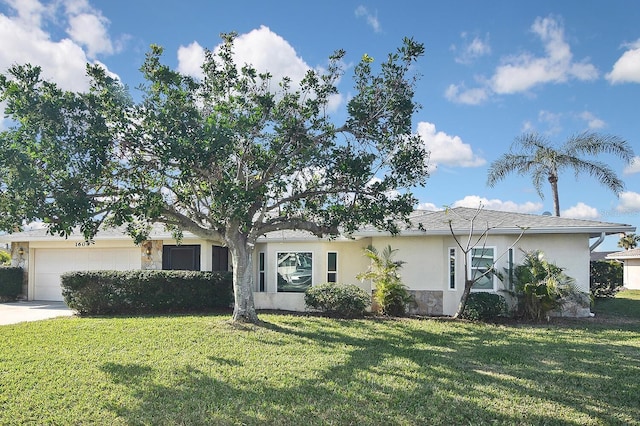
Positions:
{"x": 532, "y": 154}
{"x": 229, "y": 157}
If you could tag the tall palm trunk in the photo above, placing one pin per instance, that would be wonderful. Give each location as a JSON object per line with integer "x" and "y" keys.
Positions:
{"x": 553, "y": 180}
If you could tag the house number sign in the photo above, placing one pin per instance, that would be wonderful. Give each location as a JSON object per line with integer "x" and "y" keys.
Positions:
{"x": 85, "y": 243}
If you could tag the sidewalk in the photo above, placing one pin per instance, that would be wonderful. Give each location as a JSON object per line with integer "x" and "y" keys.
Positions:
{"x": 15, "y": 312}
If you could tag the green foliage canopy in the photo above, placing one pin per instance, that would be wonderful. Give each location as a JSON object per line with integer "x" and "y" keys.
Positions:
{"x": 229, "y": 157}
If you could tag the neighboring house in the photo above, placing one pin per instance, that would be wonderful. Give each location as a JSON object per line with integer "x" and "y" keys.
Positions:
{"x": 288, "y": 262}
{"x": 631, "y": 268}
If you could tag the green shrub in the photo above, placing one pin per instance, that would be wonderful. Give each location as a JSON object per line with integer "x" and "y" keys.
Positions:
{"x": 390, "y": 294}
{"x": 540, "y": 286}
{"x": 110, "y": 292}
{"x": 484, "y": 306}
{"x": 10, "y": 283}
{"x": 606, "y": 278}
{"x": 341, "y": 300}
{"x": 392, "y": 297}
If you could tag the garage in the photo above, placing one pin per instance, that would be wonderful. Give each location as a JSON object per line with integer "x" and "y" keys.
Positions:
{"x": 49, "y": 264}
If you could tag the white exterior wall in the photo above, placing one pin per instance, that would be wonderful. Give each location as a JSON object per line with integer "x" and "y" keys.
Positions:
{"x": 423, "y": 257}
{"x": 568, "y": 251}
{"x": 351, "y": 262}
{"x": 631, "y": 277}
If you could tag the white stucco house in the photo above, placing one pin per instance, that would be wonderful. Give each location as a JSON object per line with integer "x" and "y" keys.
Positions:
{"x": 631, "y": 267}
{"x": 288, "y": 262}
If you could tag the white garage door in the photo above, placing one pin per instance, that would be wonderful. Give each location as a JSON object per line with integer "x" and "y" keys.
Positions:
{"x": 49, "y": 264}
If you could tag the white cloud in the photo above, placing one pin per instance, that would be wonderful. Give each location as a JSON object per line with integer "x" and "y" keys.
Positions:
{"x": 627, "y": 67}
{"x": 265, "y": 50}
{"x": 581, "y": 211}
{"x": 633, "y": 167}
{"x": 429, "y": 206}
{"x": 522, "y": 72}
{"x": 190, "y": 59}
{"x": 25, "y": 40}
{"x": 472, "y": 50}
{"x": 446, "y": 149}
{"x": 593, "y": 122}
{"x": 551, "y": 120}
{"x": 459, "y": 94}
{"x": 372, "y": 20}
{"x": 90, "y": 31}
{"x": 474, "y": 201}
{"x": 629, "y": 202}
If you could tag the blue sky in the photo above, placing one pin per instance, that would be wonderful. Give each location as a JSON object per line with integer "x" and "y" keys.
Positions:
{"x": 492, "y": 70}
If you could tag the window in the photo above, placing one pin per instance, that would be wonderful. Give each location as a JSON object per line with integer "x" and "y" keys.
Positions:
{"x": 219, "y": 258}
{"x": 452, "y": 268}
{"x": 482, "y": 259}
{"x": 262, "y": 278}
{"x": 186, "y": 257}
{"x": 332, "y": 267}
{"x": 510, "y": 269}
{"x": 294, "y": 270}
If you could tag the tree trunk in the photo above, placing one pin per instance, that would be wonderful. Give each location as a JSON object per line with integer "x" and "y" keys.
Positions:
{"x": 242, "y": 261}
{"x": 553, "y": 180}
{"x": 463, "y": 299}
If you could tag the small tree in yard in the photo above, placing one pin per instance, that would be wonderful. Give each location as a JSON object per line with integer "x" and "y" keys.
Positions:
{"x": 475, "y": 240}
{"x": 390, "y": 294}
{"x": 224, "y": 157}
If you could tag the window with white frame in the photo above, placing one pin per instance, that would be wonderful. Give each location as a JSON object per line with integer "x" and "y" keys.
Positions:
{"x": 332, "y": 267}
{"x": 452, "y": 268}
{"x": 482, "y": 259}
{"x": 295, "y": 271}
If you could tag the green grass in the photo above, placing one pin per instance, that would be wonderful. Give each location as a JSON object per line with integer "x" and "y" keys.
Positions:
{"x": 297, "y": 370}
{"x": 626, "y": 303}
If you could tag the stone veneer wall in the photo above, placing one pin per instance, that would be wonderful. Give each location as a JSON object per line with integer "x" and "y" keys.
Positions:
{"x": 426, "y": 302}
{"x": 21, "y": 261}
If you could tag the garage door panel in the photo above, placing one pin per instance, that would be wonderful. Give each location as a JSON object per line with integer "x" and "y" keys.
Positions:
{"x": 49, "y": 264}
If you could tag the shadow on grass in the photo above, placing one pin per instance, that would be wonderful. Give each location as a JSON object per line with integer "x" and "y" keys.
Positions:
{"x": 396, "y": 372}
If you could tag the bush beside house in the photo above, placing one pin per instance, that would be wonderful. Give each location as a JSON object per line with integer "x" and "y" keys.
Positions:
{"x": 10, "y": 283}
{"x": 110, "y": 292}
{"x": 340, "y": 300}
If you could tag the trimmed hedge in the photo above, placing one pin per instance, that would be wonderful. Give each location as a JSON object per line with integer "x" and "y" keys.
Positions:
{"x": 10, "y": 283}
{"x": 133, "y": 292}
{"x": 484, "y": 306}
{"x": 340, "y": 300}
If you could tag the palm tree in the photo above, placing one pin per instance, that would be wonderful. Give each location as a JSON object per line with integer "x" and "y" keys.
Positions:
{"x": 532, "y": 154}
{"x": 629, "y": 241}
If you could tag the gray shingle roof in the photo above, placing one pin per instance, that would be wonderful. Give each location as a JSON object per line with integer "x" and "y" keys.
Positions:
{"x": 501, "y": 222}
{"x": 422, "y": 222}
{"x": 626, "y": 254}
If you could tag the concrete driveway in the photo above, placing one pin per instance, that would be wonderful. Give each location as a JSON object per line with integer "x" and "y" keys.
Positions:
{"x": 15, "y": 312}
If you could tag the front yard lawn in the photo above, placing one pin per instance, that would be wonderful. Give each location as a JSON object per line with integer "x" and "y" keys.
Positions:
{"x": 299, "y": 370}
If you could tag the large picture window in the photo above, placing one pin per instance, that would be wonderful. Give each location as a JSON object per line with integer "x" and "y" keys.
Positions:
{"x": 295, "y": 270}
{"x": 482, "y": 259}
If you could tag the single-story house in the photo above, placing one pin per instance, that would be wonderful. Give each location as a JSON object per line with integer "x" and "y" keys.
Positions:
{"x": 288, "y": 262}
{"x": 631, "y": 267}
